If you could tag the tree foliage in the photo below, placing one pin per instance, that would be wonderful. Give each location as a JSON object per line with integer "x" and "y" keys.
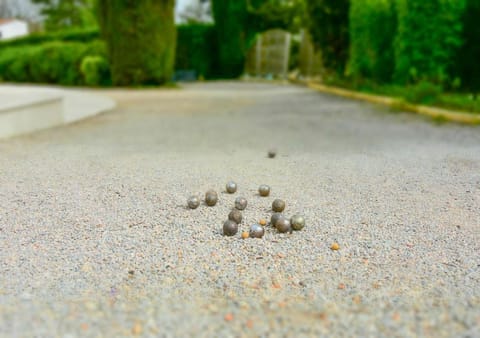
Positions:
{"x": 328, "y": 26}
{"x": 373, "y": 28}
{"x": 62, "y": 14}
{"x": 429, "y": 36}
{"x": 141, "y": 38}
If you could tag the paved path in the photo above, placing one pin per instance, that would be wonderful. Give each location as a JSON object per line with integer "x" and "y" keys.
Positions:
{"x": 96, "y": 241}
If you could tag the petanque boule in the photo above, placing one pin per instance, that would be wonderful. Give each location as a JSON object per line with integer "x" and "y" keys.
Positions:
{"x": 283, "y": 225}
{"x": 211, "y": 198}
{"x": 297, "y": 222}
{"x": 193, "y": 202}
{"x": 230, "y": 228}
{"x": 278, "y": 205}
{"x": 240, "y": 203}
{"x": 272, "y": 153}
{"x": 231, "y": 187}
{"x": 235, "y": 215}
{"x": 275, "y": 217}
{"x": 256, "y": 231}
{"x": 264, "y": 190}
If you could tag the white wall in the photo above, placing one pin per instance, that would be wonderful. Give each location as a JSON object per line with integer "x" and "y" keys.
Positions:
{"x": 13, "y": 29}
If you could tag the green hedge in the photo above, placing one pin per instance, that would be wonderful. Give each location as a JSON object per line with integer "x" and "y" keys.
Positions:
{"x": 53, "y": 62}
{"x": 197, "y": 50}
{"x": 429, "y": 36}
{"x": 372, "y": 32}
{"x": 39, "y": 38}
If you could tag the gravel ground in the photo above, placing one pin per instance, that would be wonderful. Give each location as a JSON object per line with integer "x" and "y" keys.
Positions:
{"x": 96, "y": 240}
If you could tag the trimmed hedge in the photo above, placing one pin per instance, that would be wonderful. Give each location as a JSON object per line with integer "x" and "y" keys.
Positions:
{"x": 39, "y": 38}
{"x": 53, "y": 62}
{"x": 373, "y": 28}
{"x": 197, "y": 50}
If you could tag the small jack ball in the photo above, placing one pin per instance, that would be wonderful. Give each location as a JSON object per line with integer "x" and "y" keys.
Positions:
{"x": 240, "y": 203}
{"x": 235, "y": 215}
{"x": 211, "y": 198}
{"x": 230, "y": 228}
{"x": 256, "y": 231}
{"x": 297, "y": 222}
{"x": 278, "y": 205}
{"x": 231, "y": 187}
{"x": 283, "y": 225}
{"x": 264, "y": 190}
{"x": 193, "y": 202}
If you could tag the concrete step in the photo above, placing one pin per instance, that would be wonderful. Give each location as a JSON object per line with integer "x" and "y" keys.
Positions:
{"x": 25, "y": 109}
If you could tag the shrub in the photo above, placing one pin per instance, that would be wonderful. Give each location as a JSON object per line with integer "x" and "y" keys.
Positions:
{"x": 40, "y": 38}
{"x": 423, "y": 92}
{"x": 197, "y": 50}
{"x": 54, "y": 62}
{"x": 95, "y": 70}
{"x": 372, "y": 33}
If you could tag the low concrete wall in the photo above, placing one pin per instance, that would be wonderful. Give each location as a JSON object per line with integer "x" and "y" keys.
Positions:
{"x": 25, "y": 109}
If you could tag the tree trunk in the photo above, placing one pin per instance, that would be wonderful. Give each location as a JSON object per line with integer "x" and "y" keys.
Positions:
{"x": 141, "y": 39}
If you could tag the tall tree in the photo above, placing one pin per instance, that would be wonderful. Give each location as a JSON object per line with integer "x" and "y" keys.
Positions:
{"x": 62, "y": 14}
{"x": 141, "y": 39}
{"x": 328, "y": 26}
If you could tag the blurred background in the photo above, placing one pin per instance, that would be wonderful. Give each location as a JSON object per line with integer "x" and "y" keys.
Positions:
{"x": 422, "y": 51}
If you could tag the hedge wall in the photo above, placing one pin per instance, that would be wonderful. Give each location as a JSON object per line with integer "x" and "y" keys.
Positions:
{"x": 39, "y": 38}
{"x": 52, "y": 62}
{"x": 373, "y": 28}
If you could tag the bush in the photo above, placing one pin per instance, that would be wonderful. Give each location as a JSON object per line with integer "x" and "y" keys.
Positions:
{"x": 372, "y": 32}
{"x": 197, "y": 50}
{"x": 95, "y": 70}
{"x": 54, "y": 62}
{"x": 429, "y": 36}
{"x": 423, "y": 92}
{"x": 40, "y": 38}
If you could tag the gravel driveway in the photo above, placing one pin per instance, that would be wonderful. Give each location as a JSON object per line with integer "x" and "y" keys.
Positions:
{"x": 96, "y": 241}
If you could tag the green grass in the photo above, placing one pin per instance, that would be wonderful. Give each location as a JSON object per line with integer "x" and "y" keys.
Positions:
{"x": 422, "y": 93}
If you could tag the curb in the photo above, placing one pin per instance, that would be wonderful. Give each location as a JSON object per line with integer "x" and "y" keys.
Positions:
{"x": 26, "y": 109}
{"x": 435, "y": 113}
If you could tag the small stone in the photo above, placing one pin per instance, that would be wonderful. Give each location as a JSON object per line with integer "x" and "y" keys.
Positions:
{"x": 297, "y": 222}
{"x": 230, "y": 228}
{"x": 240, "y": 203}
{"x": 235, "y": 215}
{"x": 272, "y": 153}
{"x": 275, "y": 217}
{"x": 257, "y": 231}
{"x": 278, "y": 205}
{"x": 193, "y": 202}
{"x": 231, "y": 187}
{"x": 283, "y": 225}
{"x": 211, "y": 198}
{"x": 264, "y": 190}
